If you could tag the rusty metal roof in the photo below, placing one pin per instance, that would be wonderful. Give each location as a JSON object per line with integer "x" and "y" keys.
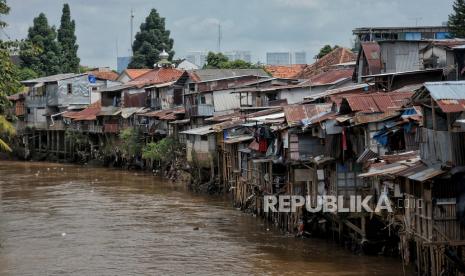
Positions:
{"x": 372, "y": 53}
{"x": 296, "y": 113}
{"x": 284, "y": 71}
{"x": 378, "y": 102}
{"x": 88, "y": 114}
{"x": 332, "y": 76}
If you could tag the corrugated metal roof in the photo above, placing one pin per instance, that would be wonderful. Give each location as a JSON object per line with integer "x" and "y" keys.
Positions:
{"x": 366, "y": 155}
{"x": 203, "y": 75}
{"x": 268, "y": 117}
{"x": 296, "y": 113}
{"x": 199, "y": 131}
{"x": 383, "y": 170}
{"x": 377, "y": 102}
{"x": 451, "y": 106}
{"x": 426, "y": 174}
{"x": 372, "y": 53}
{"x": 332, "y": 76}
{"x": 446, "y": 90}
{"x": 238, "y": 139}
{"x": 88, "y": 114}
{"x": 53, "y": 78}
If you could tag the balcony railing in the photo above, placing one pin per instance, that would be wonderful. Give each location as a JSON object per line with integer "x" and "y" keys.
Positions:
{"x": 200, "y": 110}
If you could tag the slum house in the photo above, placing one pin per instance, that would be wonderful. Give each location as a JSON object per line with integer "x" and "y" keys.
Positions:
{"x": 430, "y": 223}
{"x": 447, "y": 54}
{"x": 207, "y": 91}
{"x": 347, "y": 140}
{"x": 366, "y": 34}
{"x": 101, "y": 78}
{"x": 256, "y": 96}
{"x": 47, "y": 99}
{"x": 18, "y": 113}
{"x": 204, "y": 150}
{"x": 261, "y": 163}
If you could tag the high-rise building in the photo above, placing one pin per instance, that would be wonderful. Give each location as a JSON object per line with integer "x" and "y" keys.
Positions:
{"x": 239, "y": 55}
{"x": 278, "y": 58}
{"x": 300, "y": 58}
{"x": 286, "y": 58}
{"x": 198, "y": 58}
{"x": 122, "y": 63}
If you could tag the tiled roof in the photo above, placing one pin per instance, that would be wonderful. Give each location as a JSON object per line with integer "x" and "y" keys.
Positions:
{"x": 159, "y": 75}
{"x": 283, "y": 71}
{"x": 104, "y": 75}
{"x": 135, "y": 73}
{"x": 337, "y": 56}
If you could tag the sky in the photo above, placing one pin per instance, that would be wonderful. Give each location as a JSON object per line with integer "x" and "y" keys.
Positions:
{"x": 260, "y": 26}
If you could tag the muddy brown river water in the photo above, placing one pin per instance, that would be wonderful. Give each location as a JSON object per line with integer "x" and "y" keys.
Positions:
{"x": 70, "y": 220}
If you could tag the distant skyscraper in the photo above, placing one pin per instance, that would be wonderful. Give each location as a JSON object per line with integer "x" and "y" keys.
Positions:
{"x": 198, "y": 58}
{"x": 286, "y": 58}
{"x": 300, "y": 58}
{"x": 239, "y": 55}
{"x": 122, "y": 63}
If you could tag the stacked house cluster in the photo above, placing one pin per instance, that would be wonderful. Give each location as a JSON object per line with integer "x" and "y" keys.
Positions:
{"x": 387, "y": 120}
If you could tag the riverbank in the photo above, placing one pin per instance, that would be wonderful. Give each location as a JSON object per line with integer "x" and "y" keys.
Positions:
{"x": 119, "y": 222}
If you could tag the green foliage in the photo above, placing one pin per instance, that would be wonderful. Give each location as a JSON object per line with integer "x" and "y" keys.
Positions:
{"x": 220, "y": 61}
{"x": 456, "y": 21}
{"x": 27, "y": 74}
{"x": 67, "y": 40}
{"x": 4, "y": 10}
{"x": 79, "y": 139}
{"x": 131, "y": 139}
{"x": 150, "y": 41}
{"x": 326, "y": 50}
{"x": 48, "y": 60}
{"x": 9, "y": 78}
{"x": 162, "y": 151}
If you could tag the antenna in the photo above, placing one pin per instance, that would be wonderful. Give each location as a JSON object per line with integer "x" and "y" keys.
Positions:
{"x": 132, "y": 31}
{"x": 219, "y": 37}
{"x": 417, "y": 19}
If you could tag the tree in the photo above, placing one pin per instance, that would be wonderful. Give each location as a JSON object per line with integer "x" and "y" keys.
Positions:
{"x": 4, "y": 10}
{"x": 67, "y": 40}
{"x": 9, "y": 83}
{"x": 220, "y": 61}
{"x": 216, "y": 60}
{"x": 150, "y": 41}
{"x": 326, "y": 50}
{"x": 42, "y": 36}
{"x": 456, "y": 21}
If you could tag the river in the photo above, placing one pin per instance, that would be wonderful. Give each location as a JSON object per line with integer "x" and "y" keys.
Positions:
{"x": 70, "y": 220}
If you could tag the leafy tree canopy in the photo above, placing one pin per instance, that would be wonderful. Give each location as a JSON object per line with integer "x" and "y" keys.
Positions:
{"x": 456, "y": 21}
{"x": 326, "y": 50}
{"x": 42, "y": 36}
{"x": 220, "y": 61}
{"x": 150, "y": 41}
{"x": 67, "y": 40}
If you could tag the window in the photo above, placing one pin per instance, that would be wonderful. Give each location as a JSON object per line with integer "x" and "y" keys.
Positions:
{"x": 70, "y": 88}
{"x": 204, "y": 137}
{"x": 203, "y": 100}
